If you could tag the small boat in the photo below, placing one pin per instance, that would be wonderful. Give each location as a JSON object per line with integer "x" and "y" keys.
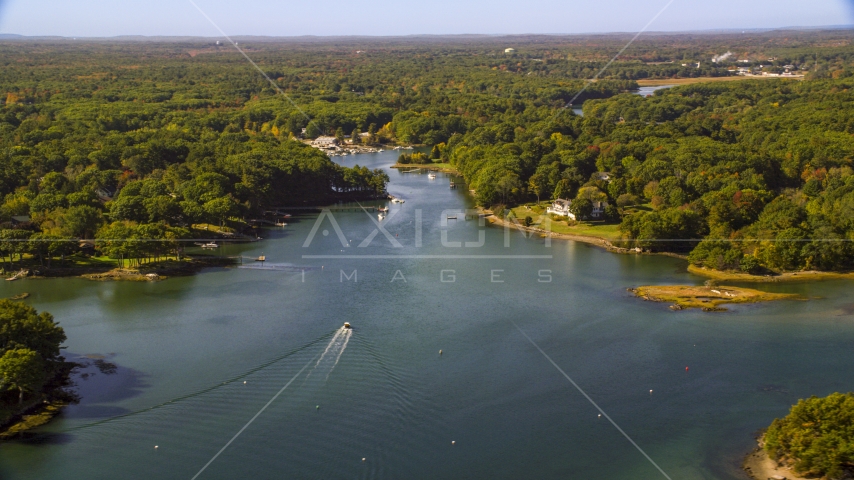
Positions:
{"x": 381, "y": 216}
{"x": 281, "y": 224}
{"x": 453, "y": 185}
{"x": 396, "y": 200}
{"x": 383, "y": 209}
{"x": 287, "y": 215}
{"x": 347, "y": 325}
{"x": 431, "y": 176}
{"x": 210, "y": 245}
{"x": 452, "y": 217}
{"x": 262, "y": 258}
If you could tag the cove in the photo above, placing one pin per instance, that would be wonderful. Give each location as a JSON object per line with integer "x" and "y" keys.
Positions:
{"x": 197, "y": 357}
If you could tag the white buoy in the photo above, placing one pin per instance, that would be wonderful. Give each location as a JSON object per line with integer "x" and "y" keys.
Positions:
{"x": 363, "y": 459}
{"x": 244, "y": 382}
{"x": 453, "y": 442}
{"x": 650, "y": 392}
{"x": 156, "y": 447}
{"x": 440, "y": 352}
{"x": 600, "y": 416}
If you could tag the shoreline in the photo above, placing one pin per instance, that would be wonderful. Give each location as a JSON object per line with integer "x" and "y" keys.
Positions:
{"x": 190, "y": 265}
{"x": 591, "y": 240}
{"x": 759, "y": 466}
{"x": 433, "y": 167}
{"x": 805, "y": 276}
{"x": 43, "y": 407}
{"x": 706, "y": 298}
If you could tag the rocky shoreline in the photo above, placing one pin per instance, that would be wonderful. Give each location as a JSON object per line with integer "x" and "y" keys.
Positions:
{"x": 146, "y": 273}
{"x": 597, "y": 241}
{"x": 759, "y": 466}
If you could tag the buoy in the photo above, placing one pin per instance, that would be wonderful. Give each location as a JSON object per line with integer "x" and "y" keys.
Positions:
{"x": 440, "y": 352}
{"x": 363, "y": 459}
{"x": 317, "y": 407}
{"x": 650, "y": 392}
{"x": 244, "y": 382}
{"x": 155, "y": 447}
{"x": 453, "y": 442}
{"x": 600, "y": 416}
{"x": 686, "y": 369}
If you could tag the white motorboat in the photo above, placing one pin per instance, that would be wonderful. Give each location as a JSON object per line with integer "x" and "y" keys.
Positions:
{"x": 431, "y": 176}
{"x": 210, "y": 245}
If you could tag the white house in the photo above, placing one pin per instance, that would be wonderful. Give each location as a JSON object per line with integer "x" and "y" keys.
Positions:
{"x": 598, "y": 209}
{"x": 509, "y": 50}
{"x": 561, "y": 207}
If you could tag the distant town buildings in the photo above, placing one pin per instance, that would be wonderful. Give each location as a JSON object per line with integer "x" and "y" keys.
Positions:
{"x": 509, "y": 50}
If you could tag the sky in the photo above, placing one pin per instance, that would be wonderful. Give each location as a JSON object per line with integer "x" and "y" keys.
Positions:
{"x": 105, "y": 18}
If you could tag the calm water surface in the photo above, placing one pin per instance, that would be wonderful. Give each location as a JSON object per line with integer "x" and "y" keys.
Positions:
{"x": 491, "y": 406}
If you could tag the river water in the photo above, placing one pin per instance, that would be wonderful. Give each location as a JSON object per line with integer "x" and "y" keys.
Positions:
{"x": 198, "y": 357}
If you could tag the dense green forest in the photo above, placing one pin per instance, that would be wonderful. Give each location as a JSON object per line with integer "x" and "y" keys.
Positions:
{"x": 30, "y": 365}
{"x": 108, "y": 140}
{"x": 761, "y": 169}
{"x": 816, "y": 437}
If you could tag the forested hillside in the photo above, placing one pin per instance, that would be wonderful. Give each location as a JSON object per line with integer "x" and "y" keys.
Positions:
{"x": 145, "y": 139}
{"x": 760, "y": 169}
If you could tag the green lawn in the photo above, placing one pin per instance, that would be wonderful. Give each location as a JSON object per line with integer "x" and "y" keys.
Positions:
{"x": 445, "y": 167}
{"x": 600, "y": 229}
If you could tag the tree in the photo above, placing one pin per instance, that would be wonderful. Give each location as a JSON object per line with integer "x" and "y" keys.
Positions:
{"x": 339, "y": 135}
{"x": 354, "y": 137}
{"x": 21, "y": 326}
{"x": 591, "y": 193}
{"x": 81, "y": 221}
{"x": 47, "y": 245}
{"x": 561, "y": 188}
{"x": 508, "y": 185}
{"x": 312, "y": 130}
{"x": 129, "y": 207}
{"x": 537, "y": 184}
{"x": 12, "y": 242}
{"x": 581, "y": 208}
{"x": 817, "y": 435}
{"x": 220, "y": 209}
{"x": 22, "y": 369}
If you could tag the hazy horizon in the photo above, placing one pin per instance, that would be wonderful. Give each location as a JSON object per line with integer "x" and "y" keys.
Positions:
{"x": 161, "y": 18}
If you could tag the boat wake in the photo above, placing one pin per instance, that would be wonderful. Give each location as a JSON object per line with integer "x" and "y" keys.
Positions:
{"x": 332, "y": 354}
